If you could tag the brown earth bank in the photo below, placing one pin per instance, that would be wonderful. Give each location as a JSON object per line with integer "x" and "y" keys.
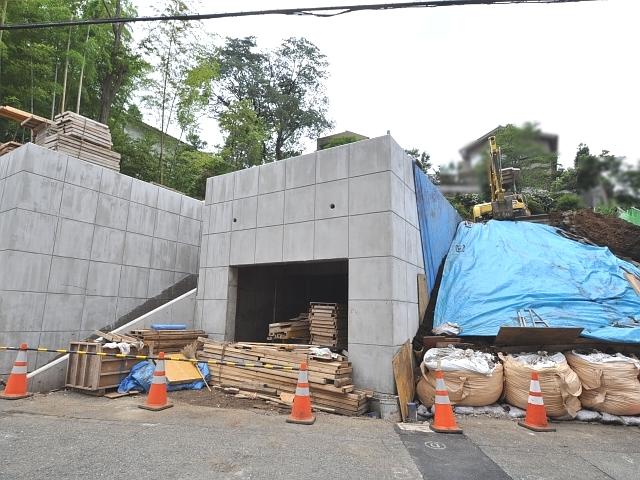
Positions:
{"x": 622, "y": 238}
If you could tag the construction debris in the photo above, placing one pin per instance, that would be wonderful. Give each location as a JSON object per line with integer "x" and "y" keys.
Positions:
{"x": 295, "y": 329}
{"x": 167, "y": 341}
{"x": 328, "y": 324}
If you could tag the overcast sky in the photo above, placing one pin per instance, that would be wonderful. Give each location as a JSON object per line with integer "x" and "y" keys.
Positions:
{"x": 438, "y": 78}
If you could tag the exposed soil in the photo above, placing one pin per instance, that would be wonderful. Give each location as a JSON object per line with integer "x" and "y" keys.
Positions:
{"x": 219, "y": 399}
{"x": 622, "y": 238}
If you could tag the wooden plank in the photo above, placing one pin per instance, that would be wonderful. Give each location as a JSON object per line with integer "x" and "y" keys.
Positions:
{"x": 423, "y": 297}
{"x": 513, "y": 336}
{"x": 181, "y": 372}
{"x": 403, "y": 373}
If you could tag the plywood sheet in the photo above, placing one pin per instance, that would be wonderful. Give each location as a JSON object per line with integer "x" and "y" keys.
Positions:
{"x": 181, "y": 372}
{"x": 403, "y": 374}
{"x": 423, "y": 296}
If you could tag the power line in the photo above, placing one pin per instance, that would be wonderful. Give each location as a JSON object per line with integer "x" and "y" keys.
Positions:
{"x": 329, "y": 11}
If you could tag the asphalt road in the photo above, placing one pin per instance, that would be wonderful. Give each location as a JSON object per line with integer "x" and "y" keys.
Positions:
{"x": 69, "y": 436}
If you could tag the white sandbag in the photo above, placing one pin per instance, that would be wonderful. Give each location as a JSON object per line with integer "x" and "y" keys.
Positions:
{"x": 451, "y": 359}
{"x": 560, "y": 385}
{"x": 609, "y": 382}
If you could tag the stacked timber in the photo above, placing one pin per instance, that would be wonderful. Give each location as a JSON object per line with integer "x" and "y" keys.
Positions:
{"x": 168, "y": 341}
{"x": 330, "y": 381}
{"x": 79, "y": 137}
{"x": 8, "y": 147}
{"x": 295, "y": 329}
{"x": 328, "y": 324}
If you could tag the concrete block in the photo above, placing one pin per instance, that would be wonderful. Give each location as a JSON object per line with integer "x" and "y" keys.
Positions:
{"x": 370, "y": 193}
{"x": 398, "y": 237}
{"x": 397, "y": 188}
{"x": 221, "y": 216}
{"x": 183, "y": 311}
{"x": 163, "y": 315}
{"x": 246, "y": 183}
{"x": 27, "y": 231}
{"x": 332, "y": 164}
{"x": 134, "y": 282}
{"x": 4, "y": 162}
{"x": 371, "y": 235}
{"x": 169, "y": 201}
{"x": 163, "y": 254}
{"x": 79, "y": 203}
{"x": 191, "y": 208}
{"x": 232, "y": 301}
{"x": 218, "y": 249}
{"x": 370, "y": 156}
{"x": 99, "y": 312}
{"x": 39, "y": 160}
{"x": 370, "y": 278}
{"x": 116, "y": 184}
{"x": 201, "y": 283}
{"x": 187, "y": 257}
{"x": 410, "y": 207}
{"x": 214, "y": 316}
{"x": 166, "y": 226}
{"x": 16, "y": 338}
{"x": 112, "y": 212}
{"x": 189, "y": 231}
{"x": 159, "y": 280}
{"x": 269, "y": 244}
{"x": 208, "y": 192}
{"x": 243, "y": 247}
{"x": 24, "y": 271}
{"x": 413, "y": 247}
{"x": 413, "y": 320}
{"x": 127, "y": 305}
{"x": 298, "y": 241}
{"x": 137, "y": 250}
{"x": 68, "y": 275}
{"x": 103, "y": 279}
{"x": 142, "y": 219}
{"x": 55, "y": 340}
{"x": 371, "y": 322}
{"x": 206, "y": 219}
{"x": 300, "y": 171}
{"x": 397, "y": 158}
{"x": 32, "y": 192}
{"x": 222, "y": 186}
{"x": 144, "y": 193}
{"x": 244, "y": 213}
{"x": 21, "y": 311}
{"x": 331, "y": 238}
{"x": 197, "y": 321}
{"x": 409, "y": 179}
{"x": 2, "y": 184}
{"x": 271, "y": 177}
{"x": 216, "y": 283}
{"x": 270, "y": 209}
{"x": 108, "y": 245}
{"x": 412, "y": 283}
{"x": 73, "y": 239}
{"x": 83, "y": 174}
{"x": 400, "y": 323}
{"x": 299, "y": 204}
{"x": 399, "y": 279}
{"x": 62, "y": 312}
{"x": 372, "y": 366}
{"x": 179, "y": 276}
{"x": 332, "y": 199}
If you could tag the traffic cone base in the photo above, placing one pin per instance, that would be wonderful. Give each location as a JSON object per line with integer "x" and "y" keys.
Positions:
{"x": 536, "y": 418}
{"x": 444, "y": 421}
{"x": 301, "y": 408}
{"x": 536, "y": 428}
{"x": 17, "y": 384}
{"x": 154, "y": 408}
{"x": 157, "y": 398}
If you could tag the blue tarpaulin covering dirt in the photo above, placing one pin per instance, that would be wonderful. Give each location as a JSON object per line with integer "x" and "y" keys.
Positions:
{"x": 497, "y": 268}
{"x": 139, "y": 379}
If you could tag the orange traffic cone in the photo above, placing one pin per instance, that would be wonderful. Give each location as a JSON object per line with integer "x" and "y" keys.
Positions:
{"x": 536, "y": 418}
{"x": 17, "y": 383}
{"x": 301, "y": 408}
{"x": 157, "y": 398}
{"x": 443, "y": 419}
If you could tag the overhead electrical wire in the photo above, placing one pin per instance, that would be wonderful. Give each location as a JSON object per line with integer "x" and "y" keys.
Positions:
{"x": 328, "y": 11}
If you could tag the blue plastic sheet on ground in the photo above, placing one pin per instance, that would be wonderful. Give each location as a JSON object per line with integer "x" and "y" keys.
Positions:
{"x": 438, "y": 221}
{"x": 139, "y": 379}
{"x": 495, "y": 269}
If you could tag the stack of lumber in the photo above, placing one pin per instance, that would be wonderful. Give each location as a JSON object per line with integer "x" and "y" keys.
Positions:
{"x": 328, "y": 324}
{"x": 8, "y": 146}
{"x": 167, "y": 341}
{"x": 80, "y": 137}
{"x": 295, "y": 329}
{"x": 330, "y": 381}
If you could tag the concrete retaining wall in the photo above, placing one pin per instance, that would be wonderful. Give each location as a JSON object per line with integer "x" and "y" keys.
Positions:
{"x": 81, "y": 246}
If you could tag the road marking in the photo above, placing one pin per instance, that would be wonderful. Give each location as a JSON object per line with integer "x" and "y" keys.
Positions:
{"x": 435, "y": 445}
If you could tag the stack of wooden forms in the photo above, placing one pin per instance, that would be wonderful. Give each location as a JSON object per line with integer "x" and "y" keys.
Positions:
{"x": 328, "y": 324}
{"x": 80, "y": 137}
{"x": 167, "y": 341}
{"x": 8, "y": 146}
{"x": 295, "y": 329}
{"x": 329, "y": 380}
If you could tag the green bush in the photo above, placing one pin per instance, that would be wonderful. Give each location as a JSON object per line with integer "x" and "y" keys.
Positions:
{"x": 568, "y": 201}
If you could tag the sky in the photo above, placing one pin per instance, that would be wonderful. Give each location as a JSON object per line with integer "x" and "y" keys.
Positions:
{"x": 439, "y": 78}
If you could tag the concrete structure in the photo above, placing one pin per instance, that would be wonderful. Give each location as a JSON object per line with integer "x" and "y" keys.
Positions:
{"x": 336, "y": 224}
{"x": 82, "y": 246}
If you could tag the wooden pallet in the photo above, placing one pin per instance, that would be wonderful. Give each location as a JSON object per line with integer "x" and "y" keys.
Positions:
{"x": 328, "y": 324}
{"x": 167, "y": 341}
{"x": 295, "y": 329}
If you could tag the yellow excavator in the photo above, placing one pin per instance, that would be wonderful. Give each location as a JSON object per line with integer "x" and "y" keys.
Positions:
{"x": 503, "y": 205}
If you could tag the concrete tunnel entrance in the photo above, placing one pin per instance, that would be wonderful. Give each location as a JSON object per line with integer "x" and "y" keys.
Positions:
{"x": 279, "y": 292}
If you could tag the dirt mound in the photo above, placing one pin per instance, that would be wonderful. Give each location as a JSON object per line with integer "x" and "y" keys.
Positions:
{"x": 622, "y": 238}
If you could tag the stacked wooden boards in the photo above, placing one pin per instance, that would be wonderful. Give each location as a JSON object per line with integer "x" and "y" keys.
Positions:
{"x": 80, "y": 137}
{"x": 329, "y": 380}
{"x": 8, "y": 147}
{"x": 167, "y": 341}
{"x": 328, "y": 324}
{"x": 295, "y": 329}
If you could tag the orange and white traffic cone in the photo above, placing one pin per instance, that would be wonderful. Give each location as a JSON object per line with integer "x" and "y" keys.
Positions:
{"x": 536, "y": 418}
{"x": 157, "y": 398}
{"x": 444, "y": 421}
{"x": 17, "y": 383}
{"x": 301, "y": 408}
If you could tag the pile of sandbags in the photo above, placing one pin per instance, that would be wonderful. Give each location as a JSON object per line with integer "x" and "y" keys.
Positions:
{"x": 560, "y": 385}
{"x": 473, "y": 379}
{"x": 609, "y": 382}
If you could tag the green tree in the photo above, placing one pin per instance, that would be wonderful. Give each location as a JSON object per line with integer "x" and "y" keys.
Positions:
{"x": 245, "y": 135}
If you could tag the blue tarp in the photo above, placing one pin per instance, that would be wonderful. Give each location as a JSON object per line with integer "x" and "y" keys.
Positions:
{"x": 438, "y": 221}
{"x": 494, "y": 269}
{"x": 139, "y": 379}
